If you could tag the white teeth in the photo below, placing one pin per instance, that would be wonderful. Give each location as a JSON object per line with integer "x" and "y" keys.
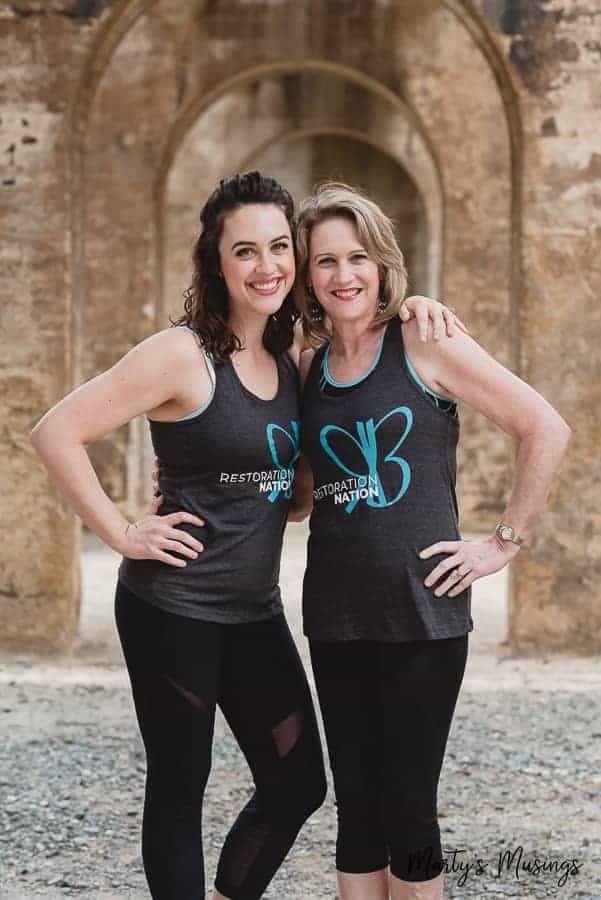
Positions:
{"x": 266, "y": 285}
{"x": 348, "y": 292}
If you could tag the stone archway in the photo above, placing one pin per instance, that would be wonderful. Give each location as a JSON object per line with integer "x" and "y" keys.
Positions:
{"x": 469, "y": 217}
{"x": 299, "y": 159}
{"x": 479, "y": 269}
{"x": 156, "y": 66}
{"x": 234, "y": 131}
{"x": 347, "y": 156}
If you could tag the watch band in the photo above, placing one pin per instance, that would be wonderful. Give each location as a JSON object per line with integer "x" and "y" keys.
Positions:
{"x": 508, "y": 533}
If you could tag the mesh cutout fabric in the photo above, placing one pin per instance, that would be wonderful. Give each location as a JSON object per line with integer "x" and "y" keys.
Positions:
{"x": 190, "y": 696}
{"x": 287, "y": 732}
{"x": 242, "y": 846}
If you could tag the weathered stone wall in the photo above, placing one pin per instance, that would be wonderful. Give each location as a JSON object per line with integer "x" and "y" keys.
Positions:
{"x": 555, "y": 55}
{"x": 43, "y": 47}
{"x": 119, "y": 118}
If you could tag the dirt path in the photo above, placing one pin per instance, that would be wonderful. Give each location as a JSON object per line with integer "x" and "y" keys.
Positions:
{"x": 522, "y": 769}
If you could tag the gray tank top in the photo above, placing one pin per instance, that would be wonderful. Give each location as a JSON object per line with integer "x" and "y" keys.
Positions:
{"x": 233, "y": 465}
{"x": 383, "y": 461}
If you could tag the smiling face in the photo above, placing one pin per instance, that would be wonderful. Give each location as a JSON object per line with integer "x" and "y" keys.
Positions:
{"x": 257, "y": 259}
{"x": 344, "y": 277}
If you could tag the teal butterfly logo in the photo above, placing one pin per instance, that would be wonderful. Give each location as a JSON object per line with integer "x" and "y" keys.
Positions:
{"x": 366, "y": 441}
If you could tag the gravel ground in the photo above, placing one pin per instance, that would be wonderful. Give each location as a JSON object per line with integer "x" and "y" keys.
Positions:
{"x": 522, "y": 770}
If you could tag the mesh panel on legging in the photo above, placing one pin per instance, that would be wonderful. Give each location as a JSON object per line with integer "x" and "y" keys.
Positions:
{"x": 279, "y": 740}
{"x": 179, "y": 669}
{"x": 387, "y": 711}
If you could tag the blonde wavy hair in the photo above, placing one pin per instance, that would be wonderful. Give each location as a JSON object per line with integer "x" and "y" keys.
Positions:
{"x": 376, "y": 233}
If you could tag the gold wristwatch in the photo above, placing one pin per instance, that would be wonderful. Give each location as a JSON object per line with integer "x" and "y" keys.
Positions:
{"x": 507, "y": 533}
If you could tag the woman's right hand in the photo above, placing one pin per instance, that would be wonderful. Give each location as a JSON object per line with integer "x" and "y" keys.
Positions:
{"x": 152, "y": 536}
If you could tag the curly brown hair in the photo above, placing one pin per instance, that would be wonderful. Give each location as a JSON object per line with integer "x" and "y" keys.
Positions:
{"x": 206, "y": 301}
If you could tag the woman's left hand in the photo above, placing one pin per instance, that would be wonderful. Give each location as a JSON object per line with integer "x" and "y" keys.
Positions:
{"x": 424, "y": 309}
{"x": 467, "y": 561}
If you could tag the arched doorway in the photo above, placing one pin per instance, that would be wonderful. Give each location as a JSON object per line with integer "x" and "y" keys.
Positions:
{"x": 286, "y": 100}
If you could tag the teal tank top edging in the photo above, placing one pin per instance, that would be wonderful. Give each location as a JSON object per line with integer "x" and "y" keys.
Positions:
{"x": 329, "y": 384}
{"x": 210, "y": 366}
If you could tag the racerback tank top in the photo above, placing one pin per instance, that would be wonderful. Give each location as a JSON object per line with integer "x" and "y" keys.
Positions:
{"x": 384, "y": 469}
{"x": 233, "y": 465}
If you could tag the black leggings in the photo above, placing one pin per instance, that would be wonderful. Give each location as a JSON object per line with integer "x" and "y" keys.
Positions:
{"x": 179, "y": 669}
{"x": 387, "y": 711}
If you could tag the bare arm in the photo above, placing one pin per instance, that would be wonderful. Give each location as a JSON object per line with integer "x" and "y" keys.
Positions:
{"x": 460, "y": 368}
{"x": 143, "y": 380}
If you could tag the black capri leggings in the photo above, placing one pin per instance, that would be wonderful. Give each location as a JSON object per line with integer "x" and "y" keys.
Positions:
{"x": 179, "y": 669}
{"x": 387, "y": 710}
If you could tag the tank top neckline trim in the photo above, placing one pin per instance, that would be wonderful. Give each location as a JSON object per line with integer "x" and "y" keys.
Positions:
{"x": 387, "y": 346}
{"x": 248, "y": 392}
{"x": 344, "y": 384}
{"x": 363, "y": 378}
{"x": 239, "y": 381}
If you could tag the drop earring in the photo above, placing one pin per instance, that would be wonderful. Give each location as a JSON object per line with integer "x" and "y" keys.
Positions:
{"x": 382, "y": 304}
{"x": 315, "y": 309}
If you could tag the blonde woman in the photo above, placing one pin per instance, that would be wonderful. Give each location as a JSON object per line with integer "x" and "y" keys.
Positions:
{"x": 386, "y": 596}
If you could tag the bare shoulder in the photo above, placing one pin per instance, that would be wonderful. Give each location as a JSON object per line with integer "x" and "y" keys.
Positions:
{"x": 417, "y": 350}
{"x": 150, "y": 375}
{"x": 429, "y": 350}
{"x": 429, "y": 358}
{"x": 170, "y": 349}
{"x": 411, "y": 334}
{"x": 182, "y": 342}
{"x": 451, "y": 363}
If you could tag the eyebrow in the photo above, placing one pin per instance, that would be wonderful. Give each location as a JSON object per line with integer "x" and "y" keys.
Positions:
{"x": 282, "y": 237}
{"x": 331, "y": 252}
